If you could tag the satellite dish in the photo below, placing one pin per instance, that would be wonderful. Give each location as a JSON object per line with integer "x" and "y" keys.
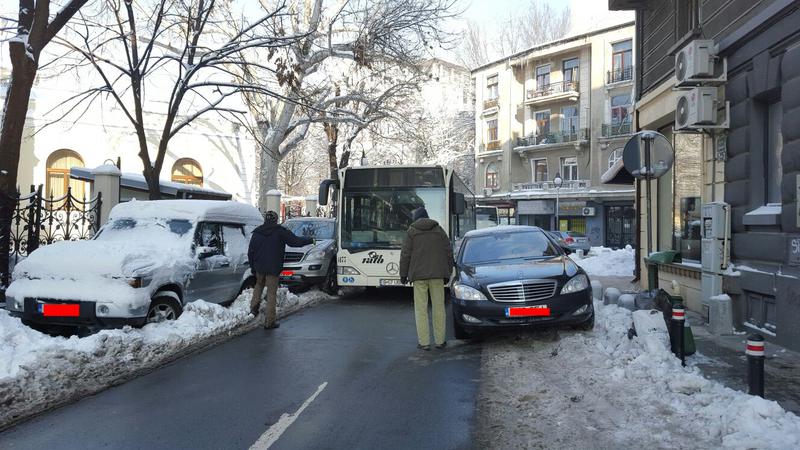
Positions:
{"x": 647, "y": 155}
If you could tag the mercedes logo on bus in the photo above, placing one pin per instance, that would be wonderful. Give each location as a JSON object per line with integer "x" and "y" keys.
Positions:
{"x": 392, "y": 268}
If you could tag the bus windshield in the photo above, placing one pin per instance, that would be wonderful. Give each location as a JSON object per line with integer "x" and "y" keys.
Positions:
{"x": 379, "y": 218}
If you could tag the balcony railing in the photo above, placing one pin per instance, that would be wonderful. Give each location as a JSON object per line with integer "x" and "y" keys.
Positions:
{"x": 616, "y": 129}
{"x": 581, "y": 134}
{"x": 491, "y": 103}
{"x": 559, "y": 87}
{"x": 492, "y": 145}
{"x": 619, "y": 74}
{"x": 570, "y": 185}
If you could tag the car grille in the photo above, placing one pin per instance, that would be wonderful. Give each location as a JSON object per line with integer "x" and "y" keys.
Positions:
{"x": 292, "y": 257}
{"x": 523, "y": 291}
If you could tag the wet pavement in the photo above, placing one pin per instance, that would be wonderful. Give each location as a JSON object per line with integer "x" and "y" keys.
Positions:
{"x": 344, "y": 374}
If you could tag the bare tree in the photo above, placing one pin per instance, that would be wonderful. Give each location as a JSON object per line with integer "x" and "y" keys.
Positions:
{"x": 177, "y": 53}
{"x": 369, "y": 33}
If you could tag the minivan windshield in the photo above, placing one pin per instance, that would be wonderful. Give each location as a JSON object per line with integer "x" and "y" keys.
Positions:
{"x": 316, "y": 229}
{"x": 506, "y": 246}
{"x": 136, "y": 230}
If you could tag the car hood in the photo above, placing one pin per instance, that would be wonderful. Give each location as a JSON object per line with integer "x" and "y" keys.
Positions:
{"x": 87, "y": 259}
{"x": 321, "y": 244}
{"x": 486, "y": 274}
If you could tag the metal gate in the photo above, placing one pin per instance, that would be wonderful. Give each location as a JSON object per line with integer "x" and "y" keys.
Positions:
{"x": 620, "y": 226}
{"x": 28, "y": 221}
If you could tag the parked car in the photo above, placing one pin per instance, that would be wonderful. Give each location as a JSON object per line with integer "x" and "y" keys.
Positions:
{"x": 313, "y": 264}
{"x": 512, "y": 277}
{"x": 572, "y": 240}
{"x": 144, "y": 265}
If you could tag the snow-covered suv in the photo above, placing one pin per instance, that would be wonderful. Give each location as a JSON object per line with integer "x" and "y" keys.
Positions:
{"x": 144, "y": 264}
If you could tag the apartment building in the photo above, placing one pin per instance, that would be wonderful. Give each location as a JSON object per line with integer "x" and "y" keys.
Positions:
{"x": 560, "y": 111}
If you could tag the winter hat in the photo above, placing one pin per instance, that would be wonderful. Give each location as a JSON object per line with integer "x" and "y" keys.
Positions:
{"x": 271, "y": 217}
{"x": 419, "y": 213}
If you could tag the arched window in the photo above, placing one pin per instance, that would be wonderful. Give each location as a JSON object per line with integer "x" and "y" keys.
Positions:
{"x": 614, "y": 156}
{"x": 58, "y": 164}
{"x": 187, "y": 171}
{"x": 491, "y": 175}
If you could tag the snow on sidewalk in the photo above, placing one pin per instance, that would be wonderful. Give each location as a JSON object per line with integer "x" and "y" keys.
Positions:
{"x": 605, "y": 262}
{"x": 601, "y": 390}
{"x": 38, "y": 371}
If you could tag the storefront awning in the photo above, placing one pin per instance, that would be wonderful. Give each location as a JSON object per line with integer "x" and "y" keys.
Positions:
{"x": 617, "y": 174}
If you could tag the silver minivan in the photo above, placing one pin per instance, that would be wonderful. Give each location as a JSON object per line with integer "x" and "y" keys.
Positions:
{"x": 149, "y": 260}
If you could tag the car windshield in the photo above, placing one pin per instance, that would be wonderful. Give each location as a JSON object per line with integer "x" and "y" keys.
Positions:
{"x": 133, "y": 229}
{"x": 505, "y": 246}
{"x": 316, "y": 229}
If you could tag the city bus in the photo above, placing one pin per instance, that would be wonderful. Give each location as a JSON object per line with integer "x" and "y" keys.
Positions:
{"x": 373, "y": 207}
{"x": 486, "y": 216}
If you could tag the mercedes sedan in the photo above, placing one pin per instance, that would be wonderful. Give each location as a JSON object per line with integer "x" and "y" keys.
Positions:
{"x": 512, "y": 277}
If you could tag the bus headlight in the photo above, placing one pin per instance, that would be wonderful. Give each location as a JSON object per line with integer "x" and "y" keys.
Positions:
{"x": 346, "y": 270}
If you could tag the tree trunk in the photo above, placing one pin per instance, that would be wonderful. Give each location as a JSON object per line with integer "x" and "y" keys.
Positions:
{"x": 268, "y": 175}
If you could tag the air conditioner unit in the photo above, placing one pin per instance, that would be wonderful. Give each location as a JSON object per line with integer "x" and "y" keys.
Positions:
{"x": 487, "y": 191}
{"x": 696, "y": 60}
{"x": 696, "y": 107}
{"x": 587, "y": 211}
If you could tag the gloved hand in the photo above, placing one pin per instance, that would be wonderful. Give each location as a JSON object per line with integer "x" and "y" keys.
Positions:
{"x": 446, "y": 280}
{"x": 404, "y": 280}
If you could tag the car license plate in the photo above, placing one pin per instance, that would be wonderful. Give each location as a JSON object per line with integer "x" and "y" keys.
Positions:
{"x": 528, "y": 311}
{"x": 390, "y": 282}
{"x": 59, "y": 310}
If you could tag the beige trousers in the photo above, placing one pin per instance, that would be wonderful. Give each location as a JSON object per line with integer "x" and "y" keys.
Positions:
{"x": 422, "y": 288}
{"x": 271, "y": 283}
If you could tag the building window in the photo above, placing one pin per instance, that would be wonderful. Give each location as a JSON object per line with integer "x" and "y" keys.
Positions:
{"x": 774, "y": 146}
{"x": 58, "y": 181}
{"x": 542, "y": 123}
{"x": 491, "y": 130}
{"x": 614, "y": 156}
{"x": 687, "y": 195}
{"x": 621, "y": 58}
{"x": 570, "y": 68}
{"x": 569, "y": 168}
{"x": 569, "y": 119}
{"x": 620, "y": 109}
{"x": 539, "y": 168}
{"x": 542, "y": 76}
{"x": 492, "y": 176}
{"x": 187, "y": 171}
{"x": 492, "y": 90}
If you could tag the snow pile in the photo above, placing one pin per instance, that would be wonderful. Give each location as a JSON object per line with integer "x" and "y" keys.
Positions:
{"x": 605, "y": 262}
{"x": 38, "y": 371}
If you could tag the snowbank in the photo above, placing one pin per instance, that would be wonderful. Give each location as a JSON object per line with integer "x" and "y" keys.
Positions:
{"x": 38, "y": 371}
{"x": 605, "y": 262}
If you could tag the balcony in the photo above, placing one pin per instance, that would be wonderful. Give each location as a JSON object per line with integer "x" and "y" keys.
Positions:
{"x": 553, "y": 91}
{"x": 616, "y": 129}
{"x": 560, "y": 137}
{"x": 619, "y": 75}
{"x": 490, "y": 146}
{"x": 489, "y": 104}
{"x": 567, "y": 185}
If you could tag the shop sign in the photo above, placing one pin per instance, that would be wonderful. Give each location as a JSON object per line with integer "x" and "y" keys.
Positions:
{"x": 570, "y": 208}
{"x": 534, "y": 207}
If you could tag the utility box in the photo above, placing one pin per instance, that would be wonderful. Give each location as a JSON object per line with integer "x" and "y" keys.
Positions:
{"x": 715, "y": 248}
{"x": 715, "y": 255}
{"x": 715, "y": 220}
{"x": 720, "y": 314}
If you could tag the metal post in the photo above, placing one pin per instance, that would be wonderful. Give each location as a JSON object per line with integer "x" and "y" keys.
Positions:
{"x": 755, "y": 365}
{"x": 678, "y": 318}
{"x": 648, "y": 172}
{"x": 558, "y": 224}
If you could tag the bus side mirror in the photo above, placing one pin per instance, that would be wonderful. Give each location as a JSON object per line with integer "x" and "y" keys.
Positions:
{"x": 324, "y": 191}
{"x": 459, "y": 204}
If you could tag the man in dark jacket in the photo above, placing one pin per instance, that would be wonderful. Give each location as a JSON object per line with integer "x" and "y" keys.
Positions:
{"x": 427, "y": 261}
{"x": 266, "y": 251}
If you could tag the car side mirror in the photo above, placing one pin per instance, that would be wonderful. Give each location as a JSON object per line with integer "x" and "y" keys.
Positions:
{"x": 568, "y": 250}
{"x": 206, "y": 252}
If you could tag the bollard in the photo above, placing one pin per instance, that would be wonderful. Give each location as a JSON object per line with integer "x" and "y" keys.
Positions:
{"x": 676, "y": 326}
{"x": 755, "y": 365}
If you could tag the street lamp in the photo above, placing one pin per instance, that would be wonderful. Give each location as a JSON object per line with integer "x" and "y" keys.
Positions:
{"x": 557, "y": 182}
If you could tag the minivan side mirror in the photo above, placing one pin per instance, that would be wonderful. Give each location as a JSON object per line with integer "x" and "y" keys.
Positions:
{"x": 206, "y": 252}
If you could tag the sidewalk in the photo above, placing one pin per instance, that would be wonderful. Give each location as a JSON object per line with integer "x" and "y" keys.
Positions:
{"x": 722, "y": 358}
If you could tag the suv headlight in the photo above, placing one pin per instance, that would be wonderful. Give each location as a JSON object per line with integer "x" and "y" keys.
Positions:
{"x": 318, "y": 254}
{"x": 576, "y": 284}
{"x": 346, "y": 270}
{"x": 464, "y": 292}
{"x": 14, "y": 304}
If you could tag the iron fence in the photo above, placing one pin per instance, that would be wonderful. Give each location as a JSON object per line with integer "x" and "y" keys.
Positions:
{"x": 32, "y": 220}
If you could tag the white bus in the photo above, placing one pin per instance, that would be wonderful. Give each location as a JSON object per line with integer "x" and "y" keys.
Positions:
{"x": 486, "y": 216}
{"x": 373, "y": 210}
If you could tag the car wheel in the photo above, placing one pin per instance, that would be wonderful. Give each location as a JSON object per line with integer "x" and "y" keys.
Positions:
{"x": 330, "y": 285}
{"x": 586, "y": 326}
{"x": 163, "y": 309}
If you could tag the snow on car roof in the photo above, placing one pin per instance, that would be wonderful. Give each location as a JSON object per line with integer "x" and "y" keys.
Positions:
{"x": 224, "y": 211}
{"x": 501, "y": 229}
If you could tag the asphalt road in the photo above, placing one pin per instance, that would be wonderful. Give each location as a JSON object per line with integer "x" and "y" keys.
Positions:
{"x": 270, "y": 386}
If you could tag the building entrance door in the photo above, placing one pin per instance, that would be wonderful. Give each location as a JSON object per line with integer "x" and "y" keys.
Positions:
{"x": 620, "y": 226}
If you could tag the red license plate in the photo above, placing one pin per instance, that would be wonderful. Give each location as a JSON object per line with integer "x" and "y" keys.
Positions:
{"x": 528, "y": 311}
{"x": 59, "y": 310}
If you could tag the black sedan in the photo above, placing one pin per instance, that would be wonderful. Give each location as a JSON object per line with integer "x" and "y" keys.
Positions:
{"x": 513, "y": 277}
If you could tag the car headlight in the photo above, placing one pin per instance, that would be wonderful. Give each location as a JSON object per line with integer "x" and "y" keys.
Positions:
{"x": 464, "y": 292}
{"x": 346, "y": 270}
{"x": 318, "y": 254}
{"x": 576, "y": 284}
{"x": 135, "y": 282}
{"x": 13, "y": 304}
